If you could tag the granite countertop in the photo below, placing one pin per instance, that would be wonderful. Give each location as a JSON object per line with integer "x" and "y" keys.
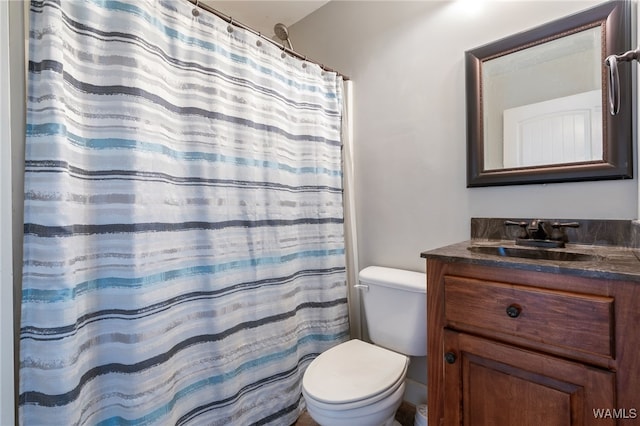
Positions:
{"x": 608, "y": 262}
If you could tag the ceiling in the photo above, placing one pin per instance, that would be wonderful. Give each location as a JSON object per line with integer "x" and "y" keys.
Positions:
{"x": 263, "y": 15}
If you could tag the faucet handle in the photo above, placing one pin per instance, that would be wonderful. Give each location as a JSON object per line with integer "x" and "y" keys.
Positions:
{"x": 558, "y": 234}
{"x": 523, "y": 228}
{"x": 558, "y": 225}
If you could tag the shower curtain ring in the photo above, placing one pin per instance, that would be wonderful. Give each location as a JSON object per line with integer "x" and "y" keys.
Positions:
{"x": 230, "y": 26}
{"x": 195, "y": 11}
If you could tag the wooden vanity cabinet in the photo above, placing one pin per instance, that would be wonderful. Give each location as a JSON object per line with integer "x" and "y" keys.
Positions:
{"x": 511, "y": 347}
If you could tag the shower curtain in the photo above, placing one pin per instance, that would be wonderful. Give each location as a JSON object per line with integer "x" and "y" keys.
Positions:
{"x": 184, "y": 255}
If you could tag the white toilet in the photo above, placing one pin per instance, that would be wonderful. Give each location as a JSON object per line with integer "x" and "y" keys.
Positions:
{"x": 357, "y": 383}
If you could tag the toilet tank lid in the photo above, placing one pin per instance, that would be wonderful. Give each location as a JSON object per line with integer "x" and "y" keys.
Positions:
{"x": 396, "y": 278}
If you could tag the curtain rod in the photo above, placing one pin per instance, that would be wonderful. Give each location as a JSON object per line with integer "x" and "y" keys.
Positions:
{"x": 231, "y": 21}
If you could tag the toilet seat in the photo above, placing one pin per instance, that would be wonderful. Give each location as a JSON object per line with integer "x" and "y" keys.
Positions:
{"x": 354, "y": 374}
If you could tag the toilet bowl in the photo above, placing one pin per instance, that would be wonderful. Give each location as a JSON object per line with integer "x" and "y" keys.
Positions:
{"x": 355, "y": 383}
{"x": 359, "y": 383}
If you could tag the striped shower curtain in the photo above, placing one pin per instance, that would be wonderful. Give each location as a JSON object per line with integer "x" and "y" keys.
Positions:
{"x": 184, "y": 251}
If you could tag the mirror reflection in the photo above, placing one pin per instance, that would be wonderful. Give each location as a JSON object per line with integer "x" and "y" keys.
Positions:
{"x": 543, "y": 105}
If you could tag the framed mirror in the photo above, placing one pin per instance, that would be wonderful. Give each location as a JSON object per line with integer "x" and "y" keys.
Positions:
{"x": 537, "y": 103}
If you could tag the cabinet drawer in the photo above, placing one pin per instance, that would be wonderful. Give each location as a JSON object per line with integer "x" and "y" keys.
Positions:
{"x": 570, "y": 320}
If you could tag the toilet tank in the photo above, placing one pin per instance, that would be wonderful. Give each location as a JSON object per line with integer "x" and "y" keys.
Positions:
{"x": 395, "y": 308}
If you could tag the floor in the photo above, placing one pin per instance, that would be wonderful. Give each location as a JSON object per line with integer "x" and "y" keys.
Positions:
{"x": 405, "y": 416}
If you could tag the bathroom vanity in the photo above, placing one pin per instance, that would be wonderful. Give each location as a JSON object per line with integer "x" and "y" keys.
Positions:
{"x": 539, "y": 340}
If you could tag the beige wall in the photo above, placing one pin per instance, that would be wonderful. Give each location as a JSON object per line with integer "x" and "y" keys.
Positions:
{"x": 12, "y": 123}
{"x": 6, "y": 266}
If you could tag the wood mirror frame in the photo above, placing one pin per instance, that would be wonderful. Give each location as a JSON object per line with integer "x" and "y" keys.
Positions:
{"x": 614, "y": 20}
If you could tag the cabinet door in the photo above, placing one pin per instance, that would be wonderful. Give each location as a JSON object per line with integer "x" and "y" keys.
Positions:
{"x": 493, "y": 384}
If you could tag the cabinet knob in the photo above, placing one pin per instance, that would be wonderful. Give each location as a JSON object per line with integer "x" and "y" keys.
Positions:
{"x": 450, "y": 357}
{"x": 514, "y": 311}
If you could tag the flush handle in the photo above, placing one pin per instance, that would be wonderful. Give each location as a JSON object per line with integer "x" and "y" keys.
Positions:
{"x": 514, "y": 311}
{"x": 450, "y": 357}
